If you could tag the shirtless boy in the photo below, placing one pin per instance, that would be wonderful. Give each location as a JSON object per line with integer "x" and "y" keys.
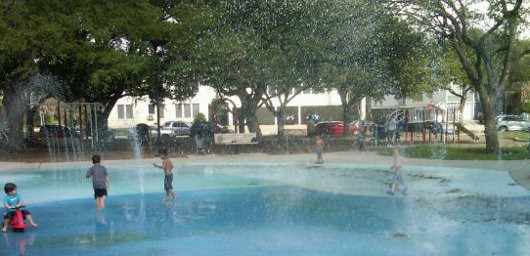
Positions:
{"x": 167, "y": 166}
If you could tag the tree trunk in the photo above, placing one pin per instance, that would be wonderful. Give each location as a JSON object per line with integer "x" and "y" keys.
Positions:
{"x": 252, "y": 120}
{"x": 368, "y": 114}
{"x": 15, "y": 102}
{"x": 462, "y": 106}
{"x": 280, "y": 120}
{"x": 249, "y": 106}
{"x": 345, "y": 108}
{"x": 488, "y": 107}
{"x": 241, "y": 119}
{"x": 29, "y": 122}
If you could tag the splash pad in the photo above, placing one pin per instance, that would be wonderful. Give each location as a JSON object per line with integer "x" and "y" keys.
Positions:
{"x": 263, "y": 209}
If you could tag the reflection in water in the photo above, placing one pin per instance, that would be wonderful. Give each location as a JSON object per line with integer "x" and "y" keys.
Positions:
{"x": 17, "y": 242}
{"x": 104, "y": 228}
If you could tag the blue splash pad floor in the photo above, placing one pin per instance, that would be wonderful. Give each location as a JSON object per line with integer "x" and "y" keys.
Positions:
{"x": 275, "y": 220}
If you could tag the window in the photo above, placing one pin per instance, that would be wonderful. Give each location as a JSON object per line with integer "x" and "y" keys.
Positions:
{"x": 152, "y": 108}
{"x": 178, "y": 110}
{"x": 195, "y": 109}
{"x": 161, "y": 108}
{"x": 187, "y": 110}
{"x": 125, "y": 111}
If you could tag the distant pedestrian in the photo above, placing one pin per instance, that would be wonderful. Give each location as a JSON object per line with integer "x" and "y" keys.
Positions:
{"x": 391, "y": 131}
{"x": 360, "y": 141}
{"x": 100, "y": 181}
{"x": 319, "y": 149}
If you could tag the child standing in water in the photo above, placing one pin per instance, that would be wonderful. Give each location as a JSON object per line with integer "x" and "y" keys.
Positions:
{"x": 398, "y": 174}
{"x": 11, "y": 201}
{"x": 100, "y": 181}
{"x": 319, "y": 149}
{"x": 167, "y": 166}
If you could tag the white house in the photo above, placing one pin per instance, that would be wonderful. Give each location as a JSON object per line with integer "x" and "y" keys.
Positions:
{"x": 130, "y": 111}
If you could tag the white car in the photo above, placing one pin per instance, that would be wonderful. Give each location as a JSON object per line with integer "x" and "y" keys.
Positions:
{"x": 512, "y": 123}
{"x": 176, "y": 128}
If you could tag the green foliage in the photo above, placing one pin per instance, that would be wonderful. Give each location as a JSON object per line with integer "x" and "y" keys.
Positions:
{"x": 520, "y": 71}
{"x": 519, "y": 135}
{"x": 200, "y": 117}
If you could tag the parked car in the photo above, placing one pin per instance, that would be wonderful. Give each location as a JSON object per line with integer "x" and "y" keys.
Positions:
{"x": 331, "y": 128}
{"x": 335, "y": 128}
{"x": 140, "y": 134}
{"x": 204, "y": 128}
{"x": 512, "y": 123}
{"x": 53, "y": 130}
{"x": 313, "y": 117}
{"x": 355, "y": 126}
{"x": 176, "y": 128}
{"x": 288, "y": 119}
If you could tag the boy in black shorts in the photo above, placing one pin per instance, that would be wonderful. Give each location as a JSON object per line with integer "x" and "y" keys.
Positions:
{"x": 167, "y": 166}
{"x": 100, "y": 181}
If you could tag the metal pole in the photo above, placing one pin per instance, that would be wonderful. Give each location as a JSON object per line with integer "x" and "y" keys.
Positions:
{"x": 406, "y": 124}
{"x": 80, "y": 107}
{"x": 96, "y": 125}
{"x": 423, "y": 126}
{"x": 58, "y": 119}
{"x": 91, "y": 126}
{"x": 446, "y": 124}
{"x": 454, "y": 122}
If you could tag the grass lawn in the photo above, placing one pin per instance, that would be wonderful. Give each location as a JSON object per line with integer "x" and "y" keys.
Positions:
{"x": 521, "y": 135}
{"x": 461, "y": 153}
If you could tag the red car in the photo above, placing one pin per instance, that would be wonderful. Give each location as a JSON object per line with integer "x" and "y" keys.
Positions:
{"x": 332, "y": 128}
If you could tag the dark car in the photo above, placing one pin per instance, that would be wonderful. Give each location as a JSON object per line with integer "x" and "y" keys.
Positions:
{"x": 201, "y": 128}
{"x": 205, "y": 128}
{"x": 140, "y": 134}
{"x": 54, "y": 130}
{"x": 288, "y": 119}
{"x": 358, "y": 125}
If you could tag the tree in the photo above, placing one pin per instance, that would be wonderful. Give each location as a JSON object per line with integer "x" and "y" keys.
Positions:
{"x": 257, "y": 45}
{"x": 292, "y": 53}
{"x": 102, "y": 50}
{"x": 452, "y": 77}
{"x": 370, "y": 53}
{"x": 487, "y": 59}
{"x": 32, "y": 36}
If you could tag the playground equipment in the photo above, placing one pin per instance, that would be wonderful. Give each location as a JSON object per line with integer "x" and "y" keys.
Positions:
{"x": 434, "y": 122}
{"x": 84, "y": 119}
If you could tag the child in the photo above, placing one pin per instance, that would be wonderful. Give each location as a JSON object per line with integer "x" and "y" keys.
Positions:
{"x": 319, "y": 148}
{"x": 11, "y": 201}
{"x": 100, "y": 181}
{"x": 360, "y": 140}
{"x": 398, "y": 174}
{"x": 167, "y": 166}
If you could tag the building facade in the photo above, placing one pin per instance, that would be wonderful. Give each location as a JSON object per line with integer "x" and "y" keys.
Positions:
{"x": 131, "y": 111}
